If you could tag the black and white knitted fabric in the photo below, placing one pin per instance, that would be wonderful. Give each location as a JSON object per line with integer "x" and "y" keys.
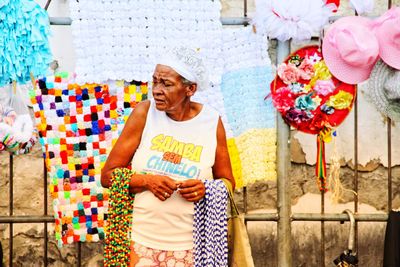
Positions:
{"x": 210, "y": 226}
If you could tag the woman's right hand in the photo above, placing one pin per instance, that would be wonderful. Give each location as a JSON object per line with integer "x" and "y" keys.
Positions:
{"x": 160, "y": 185}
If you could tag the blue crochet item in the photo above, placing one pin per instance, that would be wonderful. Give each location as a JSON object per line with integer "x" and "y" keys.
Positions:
{"x": 244, "y": 91}
{"x": 24, "y": 42}
{"x": 210, "y": 225}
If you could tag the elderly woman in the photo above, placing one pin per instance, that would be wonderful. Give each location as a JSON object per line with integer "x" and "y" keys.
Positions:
{"x": 173, "y": 144}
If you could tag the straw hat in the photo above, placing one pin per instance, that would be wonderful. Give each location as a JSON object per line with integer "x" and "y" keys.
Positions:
{"x": 383, "y": 89}
{"x": 350, "y": 49}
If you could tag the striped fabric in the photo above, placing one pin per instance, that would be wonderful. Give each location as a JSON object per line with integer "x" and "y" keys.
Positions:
{"x": 210, "y": 226}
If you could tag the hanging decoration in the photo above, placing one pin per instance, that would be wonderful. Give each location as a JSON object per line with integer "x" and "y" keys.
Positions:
{"x": 25, "y": 55}
{"x": 119, "y": 223}
{"x": 249, "y": 121}
{"x": 311, "y": 99}
{"x": 335, "y": 2}
{"x": 291, "y": 19}
{"x": 78, "y": 124}
{"x": 17, "y": 132}
{"x": 25, "y": 48}
{"x": 126, "y": 46}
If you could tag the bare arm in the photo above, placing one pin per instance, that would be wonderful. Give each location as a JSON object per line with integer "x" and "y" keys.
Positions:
{"x": 222, "y": 167}
{"x": 122, "y": 153}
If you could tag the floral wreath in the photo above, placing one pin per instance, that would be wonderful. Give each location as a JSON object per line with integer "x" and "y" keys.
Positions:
{"x": 310, "y": 98}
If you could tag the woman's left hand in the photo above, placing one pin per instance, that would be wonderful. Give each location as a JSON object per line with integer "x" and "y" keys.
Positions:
{"x": 192, "y": 190}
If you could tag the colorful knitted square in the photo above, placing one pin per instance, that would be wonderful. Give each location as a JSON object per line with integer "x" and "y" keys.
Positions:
{"x": 78, "y": 125}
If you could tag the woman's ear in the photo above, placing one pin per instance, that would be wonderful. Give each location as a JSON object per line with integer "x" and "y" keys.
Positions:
{"x": 191, "y": 89}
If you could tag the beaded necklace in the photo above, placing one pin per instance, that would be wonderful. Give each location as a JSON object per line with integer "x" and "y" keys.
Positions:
{"x": 117, "y": 242}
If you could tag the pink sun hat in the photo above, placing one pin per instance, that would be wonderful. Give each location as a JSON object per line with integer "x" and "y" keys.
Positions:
{"x": 387, "y": 30}
{"x": 350, "y": 49}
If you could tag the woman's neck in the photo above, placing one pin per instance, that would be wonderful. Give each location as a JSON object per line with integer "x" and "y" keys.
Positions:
{"x": 187, "y": 111}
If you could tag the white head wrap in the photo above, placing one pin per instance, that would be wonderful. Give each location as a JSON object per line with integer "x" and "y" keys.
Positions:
{"x": 187, "y": 63}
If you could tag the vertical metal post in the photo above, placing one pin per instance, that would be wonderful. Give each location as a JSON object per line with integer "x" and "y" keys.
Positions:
{"x": 11, "y": 208}
{"x": 79, "y": 262}
{"x": 389, "y": 143}
{"x": 46, "y": 237}
{"x": 355, "y": 180}
{"x": 283, "y": 183}
{"x": 322, "y": 244}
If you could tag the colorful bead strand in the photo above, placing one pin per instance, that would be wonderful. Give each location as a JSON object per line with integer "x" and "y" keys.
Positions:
{"x": 117, "y": 247}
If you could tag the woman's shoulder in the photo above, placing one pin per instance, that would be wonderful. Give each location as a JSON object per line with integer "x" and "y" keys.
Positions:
{"x": 142, "y": 108}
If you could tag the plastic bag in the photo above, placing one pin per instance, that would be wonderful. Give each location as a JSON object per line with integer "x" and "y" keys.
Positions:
{"x": 17, "y": 132}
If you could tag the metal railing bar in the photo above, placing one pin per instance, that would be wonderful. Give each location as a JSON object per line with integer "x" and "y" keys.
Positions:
{"x": 389, "y": 143}
{"x": 11, "y": 208}
{"x": 65, "y": 21}
{"x": 365, "y": 217}
{"x": 261, "y": 217}
{"x": 45, "y": 211}
{"x": 26, "y": 219}
{"x": 355, "y": 178}
{"x": 79, "y": 263}
{"x": 47, "y": 4}
{"x": 46, "y": 238}
{"x": 283, "y": 179}
{"x": 322, "y": 243}
{"x": 61, "y": 21}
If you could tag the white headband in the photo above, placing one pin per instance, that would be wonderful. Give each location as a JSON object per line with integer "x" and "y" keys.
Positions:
{"x": 187, "y": 63}
{"x": 178, "y": 66}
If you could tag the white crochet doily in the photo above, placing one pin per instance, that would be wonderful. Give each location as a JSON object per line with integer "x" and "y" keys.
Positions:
{"x": 123, "y": 39}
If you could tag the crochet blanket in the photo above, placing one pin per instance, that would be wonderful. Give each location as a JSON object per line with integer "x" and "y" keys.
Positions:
{"x": 78, "y": 124}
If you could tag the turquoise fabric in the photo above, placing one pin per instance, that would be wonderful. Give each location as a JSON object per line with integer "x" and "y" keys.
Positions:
{"x": 244, "y": 91}
{"x": 24, "y": 31}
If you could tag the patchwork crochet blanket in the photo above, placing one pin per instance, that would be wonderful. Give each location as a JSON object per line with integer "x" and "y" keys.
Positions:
{"x": 78, "y": 125}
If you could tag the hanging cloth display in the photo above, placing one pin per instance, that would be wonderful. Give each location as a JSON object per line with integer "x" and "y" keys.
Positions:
{"x": 311, "y": 99}
{"x": 25, "y": 55}
{"x": 17, "y": 133}
{"x": 249, "y": 121}
{"x": 78, "y": 124}
{"x": 127, "y": 46}
{"x": 25, "y": 48}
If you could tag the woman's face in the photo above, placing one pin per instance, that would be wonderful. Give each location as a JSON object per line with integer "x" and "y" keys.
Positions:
{"x": 168, "y": 90}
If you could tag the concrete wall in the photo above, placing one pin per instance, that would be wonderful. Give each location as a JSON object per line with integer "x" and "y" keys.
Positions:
{"x": 28, "y": 185}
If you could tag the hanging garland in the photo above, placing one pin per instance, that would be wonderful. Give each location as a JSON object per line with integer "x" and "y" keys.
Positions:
{"x": 311, "y": 99}
{"x": 117, "y": 248}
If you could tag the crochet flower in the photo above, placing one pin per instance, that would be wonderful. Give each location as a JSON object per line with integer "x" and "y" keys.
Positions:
{"x": 297, "y": 115}
{"x": 327, "y": 109}
{"x": 288, "y": 73}
{"x": 283, "y": 99}
{"x": 341, "y": 100}
{"x": 321, "y": 73}
{"x": 305, "y": 102}
{"x": 306, "y": 69}
{"x": 318, "y": 122}
{"x": 296, "y": 87}
{"x": 324, "y": 87}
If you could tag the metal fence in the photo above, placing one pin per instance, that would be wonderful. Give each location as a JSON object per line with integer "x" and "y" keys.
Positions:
{"x": 283, "y": 217}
